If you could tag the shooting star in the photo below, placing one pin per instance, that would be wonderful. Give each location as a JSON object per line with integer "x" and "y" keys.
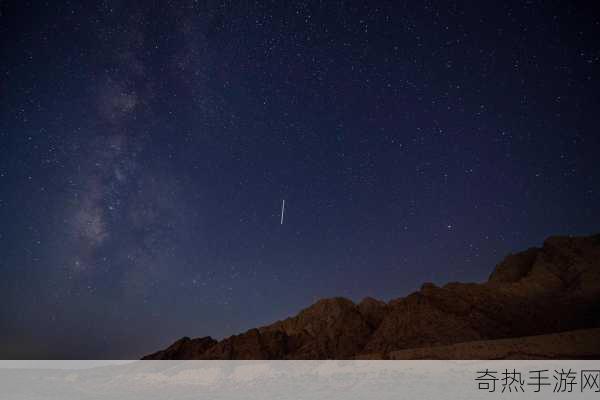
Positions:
{"x": 282, "y": 211}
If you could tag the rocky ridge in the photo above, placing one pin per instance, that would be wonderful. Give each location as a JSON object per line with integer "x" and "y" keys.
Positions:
{"x": 540, "y": 291}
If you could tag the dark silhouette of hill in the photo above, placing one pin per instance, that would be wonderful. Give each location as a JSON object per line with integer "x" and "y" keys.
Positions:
{"x": 530, "y": 298}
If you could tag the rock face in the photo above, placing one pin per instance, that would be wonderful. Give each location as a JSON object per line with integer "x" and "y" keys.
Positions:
{"x": 184, "y": 349}
{"x": 572, "y": 345}
{"x": 555, "y": 288}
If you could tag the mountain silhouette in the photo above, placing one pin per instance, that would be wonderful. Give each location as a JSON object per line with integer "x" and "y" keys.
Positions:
{"x": 540, "y": 303}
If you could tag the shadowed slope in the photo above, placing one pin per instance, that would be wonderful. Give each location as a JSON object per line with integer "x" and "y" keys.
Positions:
{"x": 555, "y": 288}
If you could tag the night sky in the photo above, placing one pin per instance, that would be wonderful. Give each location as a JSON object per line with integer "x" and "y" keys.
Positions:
{"x": 145, "y": 151}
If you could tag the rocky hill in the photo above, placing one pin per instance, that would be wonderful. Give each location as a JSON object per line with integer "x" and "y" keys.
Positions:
{"x": 540, "y": 291}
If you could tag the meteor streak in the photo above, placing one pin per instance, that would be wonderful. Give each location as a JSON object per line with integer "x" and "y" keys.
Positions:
{"x": 282, "y": 211}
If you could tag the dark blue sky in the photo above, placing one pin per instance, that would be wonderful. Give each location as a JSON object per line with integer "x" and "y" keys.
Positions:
{"x": 145, "y": 151}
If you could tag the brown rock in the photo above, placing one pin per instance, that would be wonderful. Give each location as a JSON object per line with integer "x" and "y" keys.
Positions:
{"x": 540, "y": 291}
{"x": 330, "y": 328}
{"x": 183, "y": 349}
{"x": 580, "y": 344}
{"x": 514, "y": 267}
{"x": 373, "y": 311}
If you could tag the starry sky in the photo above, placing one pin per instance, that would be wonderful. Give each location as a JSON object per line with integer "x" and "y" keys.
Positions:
{"x": 146, "y": 148}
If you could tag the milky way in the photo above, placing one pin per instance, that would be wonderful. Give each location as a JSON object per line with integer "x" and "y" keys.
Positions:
{"x": 145, "y": 151}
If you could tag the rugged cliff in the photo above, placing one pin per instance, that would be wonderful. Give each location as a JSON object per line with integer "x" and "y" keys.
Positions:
{"x": 541, "y": 291}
